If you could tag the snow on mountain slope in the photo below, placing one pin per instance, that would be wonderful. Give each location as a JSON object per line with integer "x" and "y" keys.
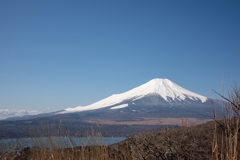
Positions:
{"x": 120, "y": 106}
{"x": 160, "y": 87}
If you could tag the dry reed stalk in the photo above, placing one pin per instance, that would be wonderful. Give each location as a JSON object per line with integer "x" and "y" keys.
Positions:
{"x": 228, "y": 143}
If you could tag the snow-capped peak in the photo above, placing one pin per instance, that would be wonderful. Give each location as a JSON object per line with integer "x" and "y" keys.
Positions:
{"x": 165, "y": 88}
{"x": 159, "y": 87}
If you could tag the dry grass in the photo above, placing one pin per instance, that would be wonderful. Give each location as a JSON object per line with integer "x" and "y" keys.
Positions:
{"x": 226, "y": 145}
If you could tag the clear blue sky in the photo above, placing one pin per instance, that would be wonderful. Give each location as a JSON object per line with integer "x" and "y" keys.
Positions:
{"x": 62, "y": 54}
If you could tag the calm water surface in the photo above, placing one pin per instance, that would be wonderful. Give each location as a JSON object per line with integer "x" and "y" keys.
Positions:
{"x": 61, "y": 142}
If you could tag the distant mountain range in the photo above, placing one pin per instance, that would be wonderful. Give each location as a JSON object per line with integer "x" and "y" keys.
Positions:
{"x": 160, "y": 96}
{"x": 157, "y": 102}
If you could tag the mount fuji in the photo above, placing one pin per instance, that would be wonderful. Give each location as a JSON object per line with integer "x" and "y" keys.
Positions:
{"x": 156, "y": 93}
{"x": 156, "y": 103}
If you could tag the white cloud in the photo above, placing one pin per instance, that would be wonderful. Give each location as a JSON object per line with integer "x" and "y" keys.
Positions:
{"x": 5, "y": 113}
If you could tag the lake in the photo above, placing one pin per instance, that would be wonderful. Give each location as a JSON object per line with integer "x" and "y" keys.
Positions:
{"x": 59, "y": 142}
